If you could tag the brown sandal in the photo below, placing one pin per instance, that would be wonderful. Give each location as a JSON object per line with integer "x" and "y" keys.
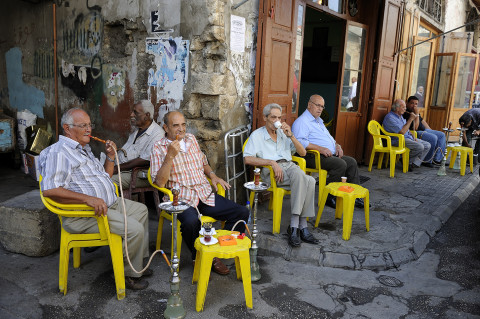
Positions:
{"x": 219, "y": 267}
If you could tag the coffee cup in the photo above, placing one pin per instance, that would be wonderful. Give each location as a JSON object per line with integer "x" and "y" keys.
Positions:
{"x": 277, "y": 124}
{"x": 344, "y": 179}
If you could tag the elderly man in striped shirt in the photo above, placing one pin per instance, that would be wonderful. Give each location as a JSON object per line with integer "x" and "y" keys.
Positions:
{"x": 72, "y": 175}
{"x": 177, "y": 162}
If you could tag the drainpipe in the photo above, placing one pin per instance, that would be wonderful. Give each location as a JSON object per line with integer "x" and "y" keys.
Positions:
{"x": 55, "y": 68}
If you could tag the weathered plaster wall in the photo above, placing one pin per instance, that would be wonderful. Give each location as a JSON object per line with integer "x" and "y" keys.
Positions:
{"x": 221, "y": 81}
{"x": 26, "y": 58}
{"x": 108, "y": 57}
{"x": 455, "y": 14}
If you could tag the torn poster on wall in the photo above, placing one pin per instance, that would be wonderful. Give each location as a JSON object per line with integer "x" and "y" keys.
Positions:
{"x": 170, "y": 72}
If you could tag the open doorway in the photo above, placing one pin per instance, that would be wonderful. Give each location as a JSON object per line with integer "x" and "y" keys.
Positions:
{"x": 321, "y": 62}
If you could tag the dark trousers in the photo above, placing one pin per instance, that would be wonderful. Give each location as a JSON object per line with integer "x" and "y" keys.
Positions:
{"x": 224, "y": 210}
{"x": 469, "y": 135}
{"x": 336, "y": 167}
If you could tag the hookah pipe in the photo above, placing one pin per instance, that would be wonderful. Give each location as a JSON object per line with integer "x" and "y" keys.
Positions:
{"x": 125, "y": 218}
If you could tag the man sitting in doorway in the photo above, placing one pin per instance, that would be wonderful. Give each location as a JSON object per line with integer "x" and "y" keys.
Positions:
{"x": 435, "y": 138}
{"x": 313, "y": 135}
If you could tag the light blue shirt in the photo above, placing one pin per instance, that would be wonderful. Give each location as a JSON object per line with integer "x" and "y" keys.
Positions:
{"x": 310, "y": 130}
{"x": 394, "y": 123}
{"x": 261, "y": 145}
{"x": 66, "y": 164}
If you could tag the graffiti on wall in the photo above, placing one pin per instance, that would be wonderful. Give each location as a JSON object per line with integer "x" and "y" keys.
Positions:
{"x": 86, "y": 35}
{"x": 81, "y": 69}
{"x": 43, "y": 63}
{"x": 21, "y": 95}
{"x": 170, "y": 72}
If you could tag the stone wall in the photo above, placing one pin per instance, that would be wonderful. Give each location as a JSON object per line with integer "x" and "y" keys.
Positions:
{"x": 109, "y": 56}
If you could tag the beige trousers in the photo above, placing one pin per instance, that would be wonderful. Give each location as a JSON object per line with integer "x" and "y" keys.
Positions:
{"x": 137, "y": 230}
{"x": 301, "y": 185}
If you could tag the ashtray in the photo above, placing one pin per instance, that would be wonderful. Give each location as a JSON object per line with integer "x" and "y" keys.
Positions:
{"x": 260, "y": 187}
{"x": 168, "y": 206}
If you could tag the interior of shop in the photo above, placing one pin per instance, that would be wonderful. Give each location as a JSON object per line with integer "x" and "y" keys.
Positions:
{"x": 322, "y": 55}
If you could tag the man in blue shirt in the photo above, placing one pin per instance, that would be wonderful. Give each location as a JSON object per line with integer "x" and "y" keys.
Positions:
{"x": 269, "y": 146}
{"x": 313, "y": 135}
{"x": 395, "y": 123}
{"x": 424, "y": 132}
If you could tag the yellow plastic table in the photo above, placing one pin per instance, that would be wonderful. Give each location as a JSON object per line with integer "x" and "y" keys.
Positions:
{"x": 464, "y": 151}
{"x": 203, "y": 265}
{"x": 345, "y": 205}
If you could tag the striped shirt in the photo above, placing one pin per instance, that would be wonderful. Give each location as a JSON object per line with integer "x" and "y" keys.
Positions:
{"x": 66, "y": 164}
{"x": 187, "y": 172}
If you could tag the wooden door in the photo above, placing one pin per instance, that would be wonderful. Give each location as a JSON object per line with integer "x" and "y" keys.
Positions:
{"x": 350, "y": 108}
{"x": 385, "y": 69}
{"x": 275, "y": 58}
{"x": 441, "y": 95}
{"x": 385, "y": 59}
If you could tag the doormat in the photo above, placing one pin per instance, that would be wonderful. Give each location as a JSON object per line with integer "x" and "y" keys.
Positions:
{"x": 363, "y": 179}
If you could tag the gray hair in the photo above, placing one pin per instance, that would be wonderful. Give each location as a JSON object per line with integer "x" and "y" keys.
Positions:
{"x": 147, "y": 107}
{"x": 268, "y": 108}
{"x": 167, "y": 115}
{"x": 67, "y": 117}
{"x": 396, "y": 105}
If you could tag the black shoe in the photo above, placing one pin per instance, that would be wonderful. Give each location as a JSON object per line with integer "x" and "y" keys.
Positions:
{"x": 331, "y": 202}
{"x": 307, "y": 237}
{"x": 293, "y": 238}
{"x": 135, "y": 283}
{"x": 147, "y": 273}
{"x": 437, "y": 163}
{"x": 428, "y": 165}
{"x": 412, "y": 166}
{"x": 360, "y": 203}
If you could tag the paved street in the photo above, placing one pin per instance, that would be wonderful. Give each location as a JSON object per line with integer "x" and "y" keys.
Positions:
{"x": 444, "y": 282}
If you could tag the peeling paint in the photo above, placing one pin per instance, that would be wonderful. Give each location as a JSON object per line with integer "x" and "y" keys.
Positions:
{"x": 114, "y": 86}
{"x": 171, "y": 68}
{"x": 22, "y": 96}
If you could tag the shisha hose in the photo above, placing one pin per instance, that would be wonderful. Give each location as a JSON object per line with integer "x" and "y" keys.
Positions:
{"x": 125, "y": 217}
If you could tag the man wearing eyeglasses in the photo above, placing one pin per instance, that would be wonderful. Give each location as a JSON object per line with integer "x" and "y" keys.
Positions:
{"x": 313, "y": 135}
{"x": 73, "y": 175}
{"x": 137, "y": 150}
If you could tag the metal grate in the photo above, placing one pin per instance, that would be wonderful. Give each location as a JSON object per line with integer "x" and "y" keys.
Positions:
{"x": 433, "y": 8}
{"x": 234, "y": 165}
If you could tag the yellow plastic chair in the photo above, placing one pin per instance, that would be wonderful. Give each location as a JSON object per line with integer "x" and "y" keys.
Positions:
{"x": 276, "y": 200}
{"x": 76, "y": 241}
{"x": 322, "y": 174}
{"x": 345, "y": 205}
{"x": 379, "y": 133}
{"x": 203, "y": 266}
{"x": 464, "y": 152}
{"x": 165, "y": 215}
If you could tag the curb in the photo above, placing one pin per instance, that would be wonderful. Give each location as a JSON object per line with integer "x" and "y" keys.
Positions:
{"x": 277, "y": 246}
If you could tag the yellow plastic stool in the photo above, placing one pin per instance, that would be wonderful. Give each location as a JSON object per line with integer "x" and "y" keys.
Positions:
{"x": 464, "y": 151}
{"x": 203, "y": 266}
{"x": 345, "y": 205}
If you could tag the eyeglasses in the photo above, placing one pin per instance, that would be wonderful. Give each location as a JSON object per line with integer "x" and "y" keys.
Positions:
{"x": 84, "y": 126}
{"x": 318, "y": 105}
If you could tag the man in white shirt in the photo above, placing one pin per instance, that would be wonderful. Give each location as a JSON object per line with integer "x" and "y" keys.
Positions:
{"x": 138, "y": 148}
